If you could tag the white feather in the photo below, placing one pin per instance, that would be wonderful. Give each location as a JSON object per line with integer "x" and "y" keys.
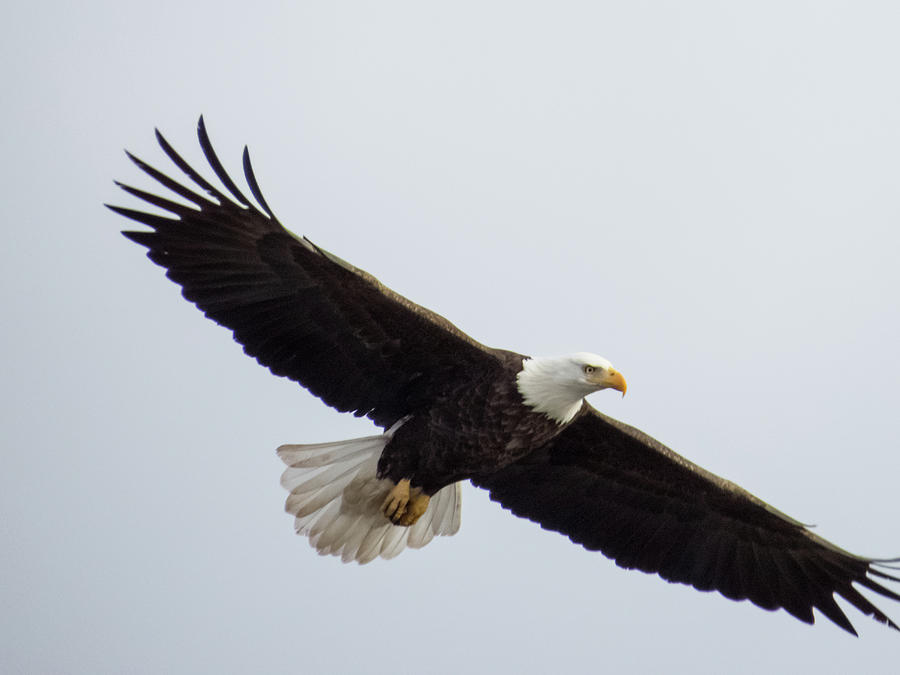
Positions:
{"x": 371, "y": 545}
{"x": 336, "y": 496}
{"x": 394, "y": 543}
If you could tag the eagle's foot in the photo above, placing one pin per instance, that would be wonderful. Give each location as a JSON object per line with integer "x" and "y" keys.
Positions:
{"x": 417, "y": 505}
{"x": 404, "y": 505}
{"x": 394, "y": 505}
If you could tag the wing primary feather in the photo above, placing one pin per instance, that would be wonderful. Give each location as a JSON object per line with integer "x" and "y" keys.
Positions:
{"x": 878, "y": 588}
{"x": 823, "y": 585}
{"x": 142, "y": 238}
{"x": 795, "y": 594}
{"x": 879, "y": 573}
{"x": 150, "y": 219}
{"x": 254, "y": 186}
{"x": 886, "y": 562}
{"x": 862, "y": 603}
{"x": 167, "y": 182}
{"x": 830, "y": 609}
{"x": 216, "y": 165}
{"x": 161, "y": 202}
{"x": 189, "y": 171}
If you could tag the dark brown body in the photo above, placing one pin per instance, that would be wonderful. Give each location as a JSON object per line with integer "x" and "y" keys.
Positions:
{"x": 469, "y": 431}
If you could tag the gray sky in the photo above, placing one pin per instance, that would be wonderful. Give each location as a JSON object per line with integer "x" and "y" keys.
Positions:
{"x": 705, "y": 193}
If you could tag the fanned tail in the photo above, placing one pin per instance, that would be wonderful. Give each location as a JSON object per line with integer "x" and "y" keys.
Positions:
{"x": 336, "y": 496}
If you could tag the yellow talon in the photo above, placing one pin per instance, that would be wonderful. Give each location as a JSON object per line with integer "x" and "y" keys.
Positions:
{"x": 415, "y": 508}
{"x": 404, "y": 506}
{"x": 394, "y": 505}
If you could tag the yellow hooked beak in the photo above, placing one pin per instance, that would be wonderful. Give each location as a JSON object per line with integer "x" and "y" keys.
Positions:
{"x": 613, "y": 380}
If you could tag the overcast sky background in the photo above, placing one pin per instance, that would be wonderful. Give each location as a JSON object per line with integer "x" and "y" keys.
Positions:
{"x": 705, "y": 193}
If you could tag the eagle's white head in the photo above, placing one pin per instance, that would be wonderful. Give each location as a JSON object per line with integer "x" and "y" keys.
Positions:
{"x": 557, "y": 385}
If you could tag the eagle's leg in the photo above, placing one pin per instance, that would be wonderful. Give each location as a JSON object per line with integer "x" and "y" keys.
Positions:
{"x": 404, "y": 505}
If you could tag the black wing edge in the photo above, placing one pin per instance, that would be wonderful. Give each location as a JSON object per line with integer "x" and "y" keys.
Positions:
{"x": 198, "y": 200}
{"x": 844, "y": 571}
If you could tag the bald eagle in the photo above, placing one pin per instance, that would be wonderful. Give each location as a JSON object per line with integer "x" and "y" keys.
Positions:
{"x": 453, "y": 409}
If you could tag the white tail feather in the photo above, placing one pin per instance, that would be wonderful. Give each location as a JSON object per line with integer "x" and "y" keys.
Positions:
{"x": 335, "y": 498}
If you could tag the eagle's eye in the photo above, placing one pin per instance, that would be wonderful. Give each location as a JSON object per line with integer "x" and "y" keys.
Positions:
{"x": 588, "y": 370}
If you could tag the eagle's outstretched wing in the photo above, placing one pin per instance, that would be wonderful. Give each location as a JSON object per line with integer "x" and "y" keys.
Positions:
{"x": 299, "y": 310}
{"x": 613, "y": 489}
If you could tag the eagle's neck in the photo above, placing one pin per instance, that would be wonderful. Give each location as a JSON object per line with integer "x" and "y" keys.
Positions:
{"x": 547, "y": 386}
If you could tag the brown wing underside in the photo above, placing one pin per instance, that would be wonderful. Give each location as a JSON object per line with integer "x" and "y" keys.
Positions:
{"x": 613, "y": 489}
{"x": 299, "y": 310}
